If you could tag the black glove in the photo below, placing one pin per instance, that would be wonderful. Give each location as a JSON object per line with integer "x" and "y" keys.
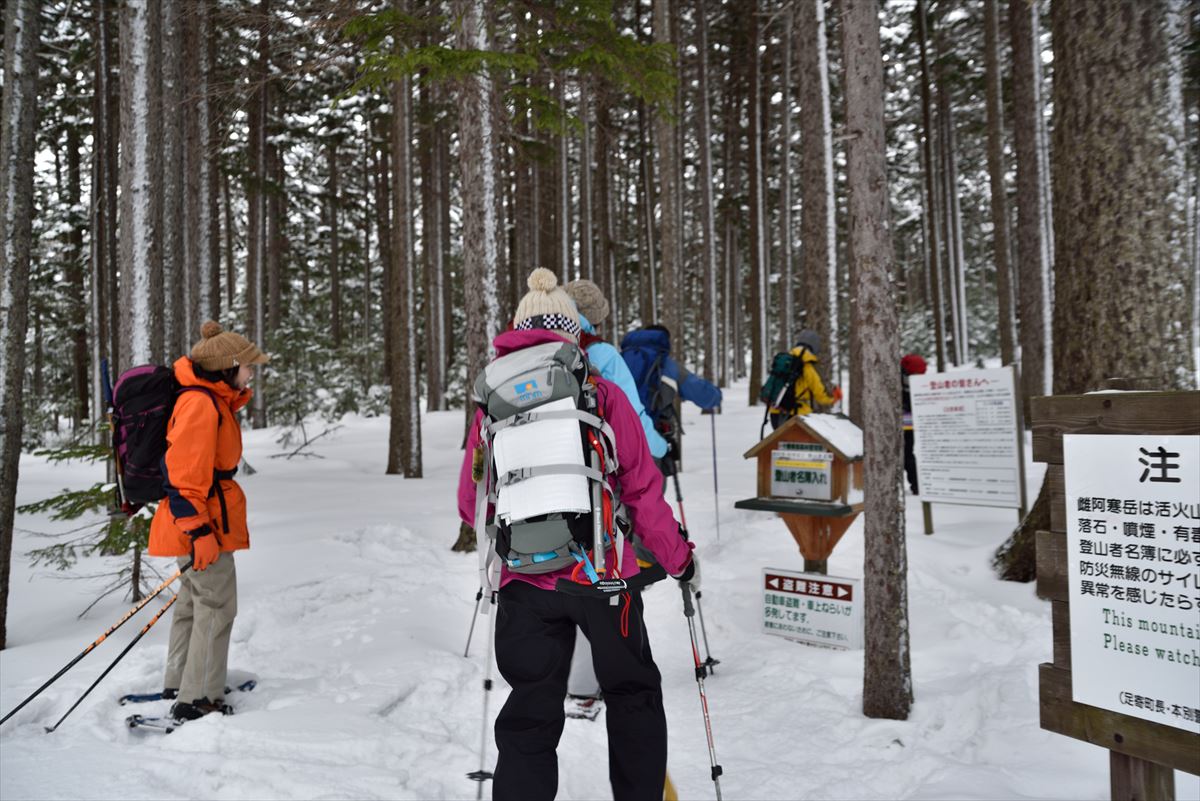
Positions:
{"x": 691, "y": 574}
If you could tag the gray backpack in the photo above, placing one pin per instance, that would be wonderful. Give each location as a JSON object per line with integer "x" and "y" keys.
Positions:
{"x": 547, "y": 455}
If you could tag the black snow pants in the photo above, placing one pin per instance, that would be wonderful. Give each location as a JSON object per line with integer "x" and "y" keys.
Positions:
{"x": 535, "y": 637}
{"x": 910, "y": 462}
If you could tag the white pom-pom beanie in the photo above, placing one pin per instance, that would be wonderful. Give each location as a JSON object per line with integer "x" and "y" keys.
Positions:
{"x": 546, "y": 306}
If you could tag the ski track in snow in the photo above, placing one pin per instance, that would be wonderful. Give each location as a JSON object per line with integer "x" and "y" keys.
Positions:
{"x": 353, "y": 614}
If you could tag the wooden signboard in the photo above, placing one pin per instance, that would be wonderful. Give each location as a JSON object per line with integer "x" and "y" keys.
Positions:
{"x": 810, "y": 474}
{"x": 1143, "y": 751}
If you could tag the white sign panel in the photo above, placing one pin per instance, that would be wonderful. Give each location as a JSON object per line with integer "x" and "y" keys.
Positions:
{"x": 812, "y": 608}
{"x": 802, "y": 470}
{"x": 966, "y": 438}
{"x": 1133, "y": 546}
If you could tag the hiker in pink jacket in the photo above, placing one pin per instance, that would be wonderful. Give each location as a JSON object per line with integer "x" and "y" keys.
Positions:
{"x": 535, "y": 626}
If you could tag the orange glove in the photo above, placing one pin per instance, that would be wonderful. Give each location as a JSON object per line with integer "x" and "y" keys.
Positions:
{"x": 205, "y": 550}
{"x": 837, "y": 394}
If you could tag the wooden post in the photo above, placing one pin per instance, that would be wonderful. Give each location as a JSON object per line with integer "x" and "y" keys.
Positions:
{"x": 927, "y": 513}
{"x": 1133, "y": 779}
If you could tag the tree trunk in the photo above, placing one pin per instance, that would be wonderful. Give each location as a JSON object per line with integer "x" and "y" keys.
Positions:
{"x": 648, "y": 284}
{"x": 18, "y": 127}
{"x": 758, "y": 254}
{"x": 1122, "y": 285}
{"x": 332, "y": 221}
{"x": 586, "y": 228}
{"x": 818, "y": 256}
{"x": 563, "y": 207}
{"x": 933, "y": 224}
{"x": 1032, "y": 271}
{"x": 1127, "y": 139}
{"x": 257, "y": 228}
{"x": 230, "y": 236}
{"x": 437, "y": 278}
{"x": 75, "y": 269}
{"x": 476, "y": 149}
{"x": 731, "y": 207}
{"x": 209, "y": 129}
{"x": 710, "y": 318}
{"x": 997, "y": 169}
{"x": 275, "y": 243}
{"x": 670, "y": 287}
{"x": 602, "y": 202}
{"x": 404, "y": 438}
{"x": 887, "y": 680}
{"x": 201, "y": 248}
{"x": 141, "y": 171}
{"x": 955, "y": 256}
{"x": 382, "y": 171}
{"x": 175, "y": 281}
{"x": 104, "y": 206}
{"x": 787, "y": 293}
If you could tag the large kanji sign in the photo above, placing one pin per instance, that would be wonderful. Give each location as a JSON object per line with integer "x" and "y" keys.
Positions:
{"x": 1133, "y": 569}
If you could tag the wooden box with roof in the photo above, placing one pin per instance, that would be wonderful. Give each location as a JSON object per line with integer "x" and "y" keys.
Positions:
{"x": 810, "y": 473}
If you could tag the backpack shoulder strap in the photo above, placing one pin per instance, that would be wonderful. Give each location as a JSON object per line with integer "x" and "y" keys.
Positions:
{"x": 211, "y": 397}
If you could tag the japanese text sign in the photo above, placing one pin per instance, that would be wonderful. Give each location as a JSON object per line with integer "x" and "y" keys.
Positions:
{"x": 966, "y": 437}
{"x": 813, "y": 608}
{"x": 802, "y": 472}
{"x": 1133, "y": 548}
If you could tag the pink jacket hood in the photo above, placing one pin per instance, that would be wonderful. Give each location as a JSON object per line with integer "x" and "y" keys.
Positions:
{"x": 638, "y": 478}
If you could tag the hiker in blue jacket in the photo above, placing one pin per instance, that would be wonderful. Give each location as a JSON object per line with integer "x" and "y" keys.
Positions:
{"x": 659, "y": 378}
{"x": 593, "y": 309}
{"x": 584, "y": 699}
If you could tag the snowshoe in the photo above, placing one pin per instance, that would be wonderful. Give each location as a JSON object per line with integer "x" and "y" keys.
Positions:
{"x": 171, "y": 693}
{"x": 165, "y": 724}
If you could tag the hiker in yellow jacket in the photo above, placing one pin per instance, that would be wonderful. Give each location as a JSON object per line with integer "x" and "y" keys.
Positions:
{"x": 808, "y": 389}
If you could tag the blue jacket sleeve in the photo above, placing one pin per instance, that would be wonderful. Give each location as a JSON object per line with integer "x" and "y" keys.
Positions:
{"x": 692, "y": 387}
{"x": 605, "y": 358}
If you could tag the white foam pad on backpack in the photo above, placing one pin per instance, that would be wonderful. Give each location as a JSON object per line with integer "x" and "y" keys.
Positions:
{"x": 543, "y": 442}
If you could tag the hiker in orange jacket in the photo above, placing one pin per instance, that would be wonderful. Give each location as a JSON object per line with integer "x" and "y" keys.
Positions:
{"x": 203, "y": 517}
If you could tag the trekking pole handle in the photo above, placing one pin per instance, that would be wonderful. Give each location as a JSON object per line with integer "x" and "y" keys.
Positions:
{"x": 688, "y": 608}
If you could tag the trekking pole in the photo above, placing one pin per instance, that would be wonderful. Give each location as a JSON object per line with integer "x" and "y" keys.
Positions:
{"x": 709, "y": 663}
{"x": 475, "y": 614}
{"x": 482, "y": 775}
{"x": 107, "y": 670}
{"x": 689, "y": 613}
{"x": 106, "y": 389}
{"x": 716, "y": 501}
{"x": 99, "y": 640}
{"x": 678, "y": 494}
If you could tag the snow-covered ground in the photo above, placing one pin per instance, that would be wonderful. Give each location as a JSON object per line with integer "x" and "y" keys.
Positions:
{"x": 354, "y": 614}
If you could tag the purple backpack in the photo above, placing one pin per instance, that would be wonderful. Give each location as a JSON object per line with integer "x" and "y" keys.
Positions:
{"x": 143, "y": 401}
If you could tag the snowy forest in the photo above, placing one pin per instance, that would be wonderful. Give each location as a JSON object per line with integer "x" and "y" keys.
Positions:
{"x": 361, "y": 188}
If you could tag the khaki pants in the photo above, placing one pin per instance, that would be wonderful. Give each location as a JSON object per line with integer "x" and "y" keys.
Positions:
{"x": 198, "y": 655}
